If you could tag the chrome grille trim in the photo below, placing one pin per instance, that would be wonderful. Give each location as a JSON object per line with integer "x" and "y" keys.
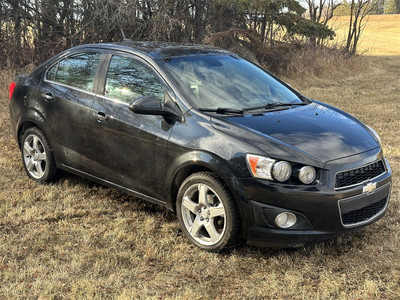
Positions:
{"x": 359, "y": 167}
{"x": 378, "y": 214}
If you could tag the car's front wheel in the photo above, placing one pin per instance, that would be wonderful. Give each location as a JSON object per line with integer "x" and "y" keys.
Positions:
{"x": 207, "y": 213}
{"x": 37, "y": 156}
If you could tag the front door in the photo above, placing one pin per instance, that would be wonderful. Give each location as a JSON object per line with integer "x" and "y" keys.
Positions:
{"x": 130, "y": 149}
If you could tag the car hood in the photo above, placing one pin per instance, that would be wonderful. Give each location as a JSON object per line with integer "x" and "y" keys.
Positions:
{"x": 320, "y": 131}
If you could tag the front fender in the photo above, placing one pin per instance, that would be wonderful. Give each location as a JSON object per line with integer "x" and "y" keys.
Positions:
{"x": 184, "y": 163}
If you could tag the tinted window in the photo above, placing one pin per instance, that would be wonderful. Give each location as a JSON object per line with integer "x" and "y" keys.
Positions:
{"x": 128, "y": 79}
{"x": 77, "y": 70}
{"x": 226, "y": 81}
{"x": 51, "y": 73}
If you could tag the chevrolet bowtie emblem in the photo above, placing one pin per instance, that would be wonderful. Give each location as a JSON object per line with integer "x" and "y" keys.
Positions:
{"x": 369, "y": 188}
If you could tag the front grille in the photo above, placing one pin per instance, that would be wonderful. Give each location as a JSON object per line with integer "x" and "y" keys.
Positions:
{"x": 358, "y": 175}
{"x": 363, "y": 214}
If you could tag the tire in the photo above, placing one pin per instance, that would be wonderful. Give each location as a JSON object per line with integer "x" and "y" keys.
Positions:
{"x": 207, "y": 213}
{"x": 37, "y": 156}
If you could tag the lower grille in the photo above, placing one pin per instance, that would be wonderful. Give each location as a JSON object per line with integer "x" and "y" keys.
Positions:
{"x": 364, "y": 214}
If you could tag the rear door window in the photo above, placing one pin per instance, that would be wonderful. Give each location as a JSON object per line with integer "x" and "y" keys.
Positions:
{"x": 77, "y": 70}
{"x": 128, "y": 79}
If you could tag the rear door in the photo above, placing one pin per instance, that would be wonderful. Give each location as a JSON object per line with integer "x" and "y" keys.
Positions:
{"x": 68, "y": 89}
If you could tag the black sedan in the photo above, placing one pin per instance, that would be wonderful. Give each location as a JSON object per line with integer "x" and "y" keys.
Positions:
{"x": 238, "y": 154}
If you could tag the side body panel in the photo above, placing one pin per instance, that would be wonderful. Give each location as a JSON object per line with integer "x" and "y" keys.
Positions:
{"x": 67, "y": 115}
{"x": 129, "y": 149}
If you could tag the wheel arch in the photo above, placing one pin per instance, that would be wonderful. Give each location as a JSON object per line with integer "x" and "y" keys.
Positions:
{"x": 32, "y": 118}
{"x": 197, "y": 161}
{"x": 24, "y": 127}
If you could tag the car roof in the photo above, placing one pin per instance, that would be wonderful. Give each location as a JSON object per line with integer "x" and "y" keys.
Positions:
{"x": 158, "y": 50}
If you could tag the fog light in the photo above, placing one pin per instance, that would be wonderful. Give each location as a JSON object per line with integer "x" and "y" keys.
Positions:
{"x": 285, "y": 220}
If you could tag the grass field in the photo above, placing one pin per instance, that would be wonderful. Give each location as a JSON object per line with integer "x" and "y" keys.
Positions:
{"x": 76, "y": 239}
{"x": 381, "y": 35}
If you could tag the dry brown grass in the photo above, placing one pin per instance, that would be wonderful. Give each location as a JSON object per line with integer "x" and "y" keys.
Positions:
{"x": 311, "y": 63}
{"x": 75, "y": 239}
{"x": 381, "y": 35}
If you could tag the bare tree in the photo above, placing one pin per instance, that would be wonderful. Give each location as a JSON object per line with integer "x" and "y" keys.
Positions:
{"x": 33, "y": 30}
{"x": 321, "y": 11}
{"x": 359, "y": 10}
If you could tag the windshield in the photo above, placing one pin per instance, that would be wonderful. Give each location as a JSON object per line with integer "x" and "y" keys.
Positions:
{"x": 215, "y": 81}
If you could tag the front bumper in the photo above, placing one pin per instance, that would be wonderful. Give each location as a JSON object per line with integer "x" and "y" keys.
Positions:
{"x": 263, "y": 237}
{"x": 322, "y": 213}
{"x": 364, "y": 209}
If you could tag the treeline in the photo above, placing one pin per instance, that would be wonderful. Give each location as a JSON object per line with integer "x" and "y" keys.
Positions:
{"x": 379, "y": 7}
{"x": 33, "y": 30}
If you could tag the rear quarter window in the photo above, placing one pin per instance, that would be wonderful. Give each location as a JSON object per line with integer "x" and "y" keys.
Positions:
{"x": 51, "y": 73}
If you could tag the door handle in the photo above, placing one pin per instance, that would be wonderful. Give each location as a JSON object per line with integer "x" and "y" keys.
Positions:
{"x": 101, "y": 117}
{"x": 47, "y": 96}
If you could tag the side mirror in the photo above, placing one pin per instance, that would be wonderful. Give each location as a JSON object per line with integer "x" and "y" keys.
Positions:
{"x": 147, "y": 105}
{"x": 151, "y": 105}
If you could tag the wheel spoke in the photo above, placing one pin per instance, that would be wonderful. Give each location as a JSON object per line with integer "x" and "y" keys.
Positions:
{"x": 28, "y": 148}
{"x": 190, "y": 205}
{"x": 203, "y": 194}
{"x": 196, "y": 226}
{"x": 210, "y": 199}
{"x": 214, "y": 235}
{"x": 39, "y": 169}
{"x": 30, "y": 164}
{"x": 41, "y": 156}
{"x": 36, "y": 143}
{"x": 217, "y": 211}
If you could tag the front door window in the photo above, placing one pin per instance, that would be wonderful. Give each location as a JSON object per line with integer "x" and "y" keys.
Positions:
{"x": 128, "y": 79}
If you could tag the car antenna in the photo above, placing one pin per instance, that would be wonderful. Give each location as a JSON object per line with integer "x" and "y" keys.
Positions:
{"x": 123, "y": 36}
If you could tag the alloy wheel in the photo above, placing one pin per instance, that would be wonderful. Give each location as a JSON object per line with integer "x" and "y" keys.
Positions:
{"x": 203, "y": 214}
{"x": 35, "y": 157}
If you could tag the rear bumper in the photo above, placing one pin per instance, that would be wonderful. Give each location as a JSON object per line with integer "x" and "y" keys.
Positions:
{"x": 13, "y": 124}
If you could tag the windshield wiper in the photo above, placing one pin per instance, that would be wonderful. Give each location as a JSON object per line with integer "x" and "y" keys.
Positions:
{"x": 273, "y": 105}
{"x": 223, "y": 110}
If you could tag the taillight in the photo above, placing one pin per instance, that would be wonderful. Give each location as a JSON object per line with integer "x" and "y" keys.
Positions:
{"x": 11, "y": 88}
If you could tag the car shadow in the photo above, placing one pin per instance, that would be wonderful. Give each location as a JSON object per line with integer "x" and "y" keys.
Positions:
{"x": 336, "y": 247}
{"x": 115, "y": 195}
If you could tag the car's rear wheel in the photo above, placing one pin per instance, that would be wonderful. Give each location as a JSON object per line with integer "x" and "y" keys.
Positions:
{"x": 207, "y": 213}
{"x": 37, "y": 156}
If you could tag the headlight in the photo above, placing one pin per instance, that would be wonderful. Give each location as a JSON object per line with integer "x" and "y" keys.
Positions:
{"x": 281, "y": 171}
{"x": 260, "y": 166}
{"x": 307, "y": 174}
{"x": 375, "y": 134}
